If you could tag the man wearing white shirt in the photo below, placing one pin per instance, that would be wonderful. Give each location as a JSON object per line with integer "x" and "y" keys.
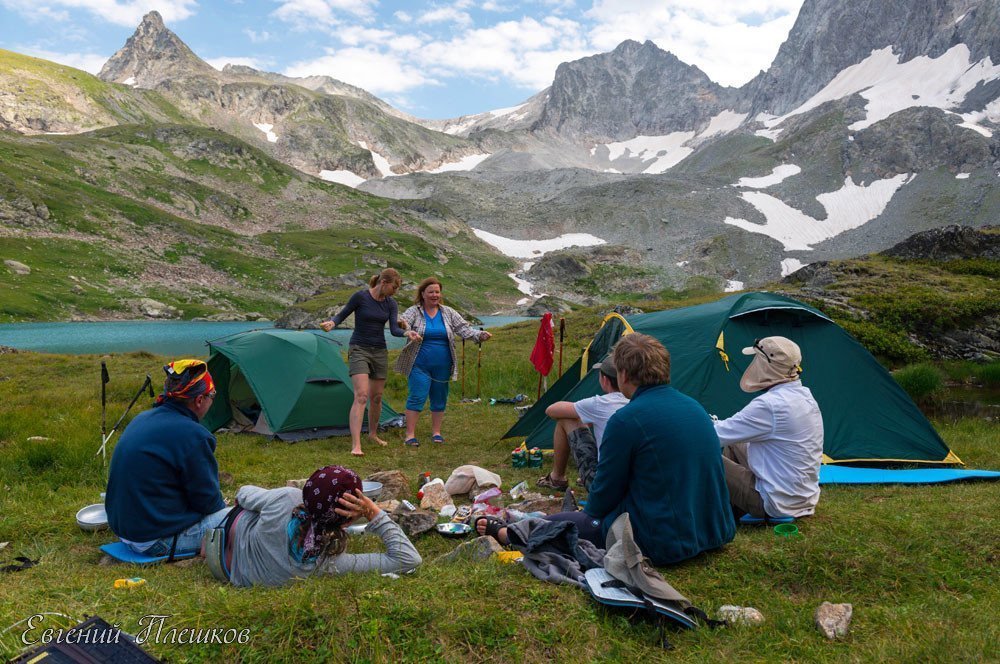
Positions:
{"x": 773, "y": 447}
{"x": 572, "y": 432}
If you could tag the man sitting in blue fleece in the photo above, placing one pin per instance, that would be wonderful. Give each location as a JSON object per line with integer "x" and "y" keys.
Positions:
{"x": 660, "y": 463}
{"x": 163, "y": 486}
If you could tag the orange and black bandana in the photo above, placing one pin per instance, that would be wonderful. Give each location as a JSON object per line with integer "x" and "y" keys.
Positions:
{"x": 186, "y": 379}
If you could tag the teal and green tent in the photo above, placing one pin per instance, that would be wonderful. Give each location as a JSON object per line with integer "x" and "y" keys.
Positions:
{"x": 867, "y": 417}
{"x": 290, "y": 384}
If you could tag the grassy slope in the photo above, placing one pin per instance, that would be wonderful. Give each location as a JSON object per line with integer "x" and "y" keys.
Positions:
{"x": 918, "y": 563}
{"x": 130, "y": 199}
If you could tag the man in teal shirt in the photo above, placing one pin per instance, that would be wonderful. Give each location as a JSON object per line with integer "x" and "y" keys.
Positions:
{"x": 660, "y": 462}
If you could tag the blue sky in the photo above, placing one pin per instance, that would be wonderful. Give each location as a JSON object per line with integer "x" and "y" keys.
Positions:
{"x": 434, "y": 59}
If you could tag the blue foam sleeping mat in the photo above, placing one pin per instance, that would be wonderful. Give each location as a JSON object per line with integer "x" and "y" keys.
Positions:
{"x": 847, "y": 475}
{"x": 119, "y": 551}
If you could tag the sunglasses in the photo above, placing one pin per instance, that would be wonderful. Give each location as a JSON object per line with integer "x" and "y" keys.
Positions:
{"x": 758, "y": 347}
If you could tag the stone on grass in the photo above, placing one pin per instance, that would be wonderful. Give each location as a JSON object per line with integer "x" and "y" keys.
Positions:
{"x": 16, "y": 267}
{"x": 539, "y": 503}
{"x": 435, "y": 497}
{"x": 833, "y": 620}
{"x": 480, "y": 548}
{"x": 389, "y": 506}
{"x": 740, "y": 615}
{"x": 395, "y": 484}
{"x": 37, "y": 439}
{"x": 415, "y": 522}
{"x": 297, "y": 484}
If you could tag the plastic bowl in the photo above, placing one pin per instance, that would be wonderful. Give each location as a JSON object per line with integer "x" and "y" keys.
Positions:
{"x": 786, "y": 530}
{"x": 454, "y": 529}
{"x": 92, "y": 517}
{"x": 371, "y": 489}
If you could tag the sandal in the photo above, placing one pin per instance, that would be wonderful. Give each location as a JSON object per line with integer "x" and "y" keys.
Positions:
{"x": 412, "y": 442}
{"x": 493, "y": 524}
{"x": 549, "y": 483}
{"x": 437, "y": 438}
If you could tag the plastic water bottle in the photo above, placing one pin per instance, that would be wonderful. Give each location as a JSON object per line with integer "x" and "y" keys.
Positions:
{"x": 425, "y": 478}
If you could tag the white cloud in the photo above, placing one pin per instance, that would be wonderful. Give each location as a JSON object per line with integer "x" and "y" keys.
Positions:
{"x": 370, "y": 69}
{"x": 491, "y": 6}
{"x": 445, "y": 15}
{"x": 403, "y": 17}
{"x": 88, "y": 62}
{"x": 307, "y": 13}
{"x": 729, "y": 41}
{"x": 257, "y": 37}
{"x": 222, "y": 61}
{"x": 128, "y": 13}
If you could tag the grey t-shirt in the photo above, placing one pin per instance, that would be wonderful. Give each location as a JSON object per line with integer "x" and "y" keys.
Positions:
{"x": 260, "y": 543}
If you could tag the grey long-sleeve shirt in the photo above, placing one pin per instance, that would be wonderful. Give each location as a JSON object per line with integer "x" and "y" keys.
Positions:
{"x": 260, "y": 543}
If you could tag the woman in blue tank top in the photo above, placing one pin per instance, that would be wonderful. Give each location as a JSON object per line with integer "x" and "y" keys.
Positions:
{"x": 429, "y": 360}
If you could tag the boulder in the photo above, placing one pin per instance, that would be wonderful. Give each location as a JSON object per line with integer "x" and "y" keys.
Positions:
{"x": 17, "y": 268}
{"x": 740, "y": 615}
{"x": 480, "y": 548}
{"x": 153, "y": 309}
{"x": 395, "y": 484}
{"x": 833, "y": 620}
{"x": 435, "y": 497}
{"x": 415, "y": 522}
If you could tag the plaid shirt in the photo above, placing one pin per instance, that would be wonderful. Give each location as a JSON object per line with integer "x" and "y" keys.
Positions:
{"x": 454, "y": 325}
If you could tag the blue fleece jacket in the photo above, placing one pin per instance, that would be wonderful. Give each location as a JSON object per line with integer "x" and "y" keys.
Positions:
{"x": 661, "y": 462}
{"x": 164, "y": 477}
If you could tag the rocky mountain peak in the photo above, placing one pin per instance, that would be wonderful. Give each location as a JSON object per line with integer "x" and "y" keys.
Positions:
{"x": 633, "y": 90}
{"x": 153, "y": 54}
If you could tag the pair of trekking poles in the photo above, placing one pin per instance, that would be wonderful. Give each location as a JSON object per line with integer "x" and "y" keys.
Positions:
{"x": 106, "y": 435}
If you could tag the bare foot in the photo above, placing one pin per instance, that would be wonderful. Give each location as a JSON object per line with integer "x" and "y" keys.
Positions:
{"x": 357, "y": 452}
{"x": 376, "y": 439}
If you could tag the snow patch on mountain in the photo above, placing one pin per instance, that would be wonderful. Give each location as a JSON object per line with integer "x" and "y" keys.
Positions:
{"x": 342, "y": 177}
{"x": 891, "y": 86}
{"x": 464, "y": 164}
{"x": 849, "y": 207}
{"x": 777, "y": 175}
{"x": 790, "y": 265}
{"x": 381, "y": 163}
{"x": 733, "y": 285}
{"x": 534, "y": 249}
{"x": 266, "y": 128}
{"x": 723, "y": 123}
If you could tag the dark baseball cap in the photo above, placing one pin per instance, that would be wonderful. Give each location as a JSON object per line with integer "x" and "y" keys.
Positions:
{"x": 607, "y": 367}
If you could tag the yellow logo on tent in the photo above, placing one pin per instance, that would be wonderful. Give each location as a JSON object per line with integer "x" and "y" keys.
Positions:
{"x": 721, "y": 345}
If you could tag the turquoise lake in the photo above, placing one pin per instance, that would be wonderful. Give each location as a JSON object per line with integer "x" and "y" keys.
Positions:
{"x": 161, "y": 337}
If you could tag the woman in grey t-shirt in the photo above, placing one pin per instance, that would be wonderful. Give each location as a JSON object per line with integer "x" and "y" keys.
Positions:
{"x": 287, "y": 533}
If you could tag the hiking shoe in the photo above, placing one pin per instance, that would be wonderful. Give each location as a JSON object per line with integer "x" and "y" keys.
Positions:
{"x": 549, "y": 483}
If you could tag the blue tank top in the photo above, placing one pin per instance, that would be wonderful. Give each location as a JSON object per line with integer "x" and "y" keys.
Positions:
{"x": 434, "y": 348}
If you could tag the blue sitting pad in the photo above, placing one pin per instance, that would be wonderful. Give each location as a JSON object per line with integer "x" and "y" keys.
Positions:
{"x": 750, "y": 520}
{"x": 121, "y": 552}
{"x": 832, "y": 474}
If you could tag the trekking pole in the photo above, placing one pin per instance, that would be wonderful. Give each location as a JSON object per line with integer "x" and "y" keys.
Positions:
{"x": 539, "y": 386}
{"x": 562, "y": 331}
{"x": 463, "y": 368}
{"x": 105, "y": 379}
{"x": 147, "y": 384}
{"x": 479, "y": 366}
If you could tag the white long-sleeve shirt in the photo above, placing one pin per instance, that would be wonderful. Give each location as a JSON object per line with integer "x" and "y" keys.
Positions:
{"x": 783, "y": 429}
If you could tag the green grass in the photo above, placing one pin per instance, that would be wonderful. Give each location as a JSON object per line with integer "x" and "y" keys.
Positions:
{"x": 918, "y": 563}
{"x": 920, "y": 381}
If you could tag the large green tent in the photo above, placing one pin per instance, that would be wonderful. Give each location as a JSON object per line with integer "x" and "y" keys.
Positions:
{"x": 867, "y": 417}
{"x": 290, "y": 384}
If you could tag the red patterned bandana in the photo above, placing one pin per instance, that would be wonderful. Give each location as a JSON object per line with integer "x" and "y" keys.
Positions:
{"x": 321, "y": 494}
{"x": 186, "y": 379}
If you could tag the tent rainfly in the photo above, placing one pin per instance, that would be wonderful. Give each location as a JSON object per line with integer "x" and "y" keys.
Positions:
{"x": 284, "y": 383}
{"x": 867, "y": 416}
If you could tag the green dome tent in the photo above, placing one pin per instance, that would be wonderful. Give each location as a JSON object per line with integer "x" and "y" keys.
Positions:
{"x": 290, "y": 384}
{"x": 867, "y": 417}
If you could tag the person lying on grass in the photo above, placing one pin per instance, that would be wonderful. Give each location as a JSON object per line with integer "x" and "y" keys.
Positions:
{"x": 276, "y": 535}
{"x": 572, "y": 433}
{"x": 659, "y": 462}
{"x": 163, "y": 484}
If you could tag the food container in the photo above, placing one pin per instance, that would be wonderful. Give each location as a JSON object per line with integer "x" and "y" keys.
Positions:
{"x": 371, "y": 489}
{"x": 454, "y": 529}
{"x": 92, "y": 517}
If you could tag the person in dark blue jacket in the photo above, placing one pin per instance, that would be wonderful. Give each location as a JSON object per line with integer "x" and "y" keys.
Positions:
{"x": 163, "y": 485}
{"x": 659, "y": 462}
